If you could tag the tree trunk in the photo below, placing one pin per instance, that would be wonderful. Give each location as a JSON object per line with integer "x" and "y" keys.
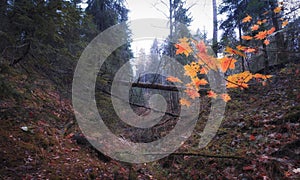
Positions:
{"x": 171, "y": 26}
{"x": 266, "y": 59}
{"x": 279, "y": 37}
{"x": 215, "y": 28}
{"x": 243, "y": 58}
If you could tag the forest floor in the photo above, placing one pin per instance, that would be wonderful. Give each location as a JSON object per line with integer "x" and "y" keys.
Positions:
{"x": 259, "y": 137}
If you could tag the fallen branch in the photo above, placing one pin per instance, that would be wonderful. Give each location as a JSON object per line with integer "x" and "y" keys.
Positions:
{"x": 156, "y": 86}
{"x": 208, "y": 155}
{"x": 139, "y": 105}
{"x": 197, "y": 154}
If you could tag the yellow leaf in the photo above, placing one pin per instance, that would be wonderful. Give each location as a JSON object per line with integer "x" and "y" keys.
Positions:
{"x": 284, "y": 23}
{"x": 277, "y": 10}
{"x": 191, "y": 70}
{"x": 247, "y": 19}
{"x": 232, "y": 51}
{"x": 239, "y": 80}
{"x": 231, "y": 85}
{"x": 184, "y": 102}
{"x": 268, "y": 76}
{"x": 241, "y": 48}
{"x": 195, "y": 66}
{"x": 173, "y": 79}
{"x": 259, "y": 22}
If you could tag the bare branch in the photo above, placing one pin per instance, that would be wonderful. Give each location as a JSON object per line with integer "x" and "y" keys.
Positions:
{"x": 139, "y": 105}
{"x": 154, "y": 5}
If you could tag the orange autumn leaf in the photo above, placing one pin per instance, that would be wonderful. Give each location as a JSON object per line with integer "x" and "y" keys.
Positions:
{"x": 207, "y": 60}
{"x": 261, "y": 76}
{"x": 252, "y": 137}
{"x": 199, "y": 82}
{"x": 261, "y": 35}
{"x": 250, "y": 50}
{"x": 266, "y": 42}
{"x": 247, "y": 19}
{"x": 173, "y": 79}
{"x": 183, "y": 47}
{"x": 260, "y": 22}
{"x": 225, "y": 97}
{"x": 270, "y": 31}
{"x": 268, "y": 76}
{"x": 284, "y": 23}
{"x": 203, "y": 70}
{"x": 255, "y": 27}
{"x": 192, "y": 93}
{"x": 201, "y": 47}
{"x": 233, "y": 51}
{"x": 226, "y": 63}
{"x": 189, "y": 86}
{"x": 241, "y": 48}
{"x": 184, "y": 102}
{"x": 212, "y": 94}
{"x": 247, "y": 38}
{"x": 277, "y": 10}
{"x": 204, "y": 59}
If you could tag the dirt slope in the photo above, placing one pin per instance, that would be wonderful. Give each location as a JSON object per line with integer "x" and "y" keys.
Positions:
{"x": 259, "y": 137}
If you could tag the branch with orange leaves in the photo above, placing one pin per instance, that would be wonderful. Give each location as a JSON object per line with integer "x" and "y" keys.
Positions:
{"x": 208, "y": 63}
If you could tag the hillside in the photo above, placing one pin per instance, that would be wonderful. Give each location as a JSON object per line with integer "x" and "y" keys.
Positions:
{"x": 258, "y": 139}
